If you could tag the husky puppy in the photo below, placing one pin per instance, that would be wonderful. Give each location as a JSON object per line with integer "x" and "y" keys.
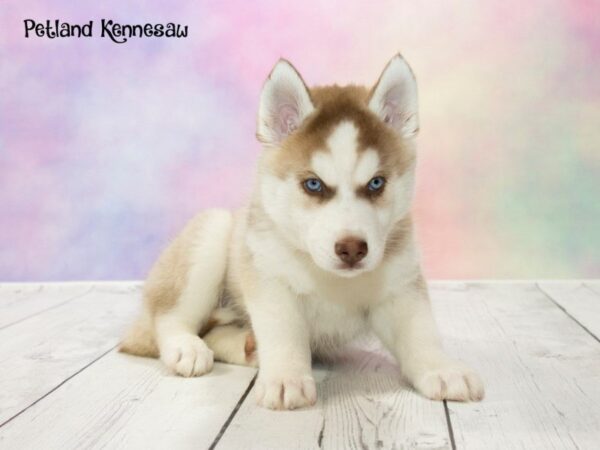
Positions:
{"x": 324, "y": 250}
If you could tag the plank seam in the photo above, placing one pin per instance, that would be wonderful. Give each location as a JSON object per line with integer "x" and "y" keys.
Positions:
{"x": 320, "y": 438}
{"x": 233, "y": 414}
{"x": 563, "y": 309}
{"x": 58, "y": 386}
{"x": 591, "y": 289}
{"x": 449, "y": 424}
{"x": 22, "y": 319}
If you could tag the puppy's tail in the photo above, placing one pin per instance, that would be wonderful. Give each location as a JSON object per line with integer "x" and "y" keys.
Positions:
{"x": 140, "y": 339}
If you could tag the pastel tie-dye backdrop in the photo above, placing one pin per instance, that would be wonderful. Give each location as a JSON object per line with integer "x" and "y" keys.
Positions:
{"x": 106, "y": 150}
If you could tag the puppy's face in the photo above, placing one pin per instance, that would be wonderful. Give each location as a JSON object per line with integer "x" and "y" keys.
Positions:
{"x": 338, "y": 168}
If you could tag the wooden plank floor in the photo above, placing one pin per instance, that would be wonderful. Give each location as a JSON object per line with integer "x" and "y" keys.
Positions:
{"x": 536, "y": 344}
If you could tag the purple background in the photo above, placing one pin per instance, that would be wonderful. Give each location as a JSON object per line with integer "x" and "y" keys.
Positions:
{"x": 106, "y": 150}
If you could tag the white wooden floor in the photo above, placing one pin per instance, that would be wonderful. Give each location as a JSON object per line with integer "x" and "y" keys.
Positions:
{"x": 63, "y": 385}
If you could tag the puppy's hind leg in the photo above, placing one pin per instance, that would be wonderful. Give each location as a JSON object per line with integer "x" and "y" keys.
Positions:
{"x": 232, "y": 344}
{"x": 192, "y": 277}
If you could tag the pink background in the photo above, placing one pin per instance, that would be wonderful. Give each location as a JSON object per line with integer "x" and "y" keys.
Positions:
{"x": 106, "y": 150}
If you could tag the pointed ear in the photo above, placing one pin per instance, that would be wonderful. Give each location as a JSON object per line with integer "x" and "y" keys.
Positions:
{"x": 394, "y": 98}
{"x": 284, "y": 104}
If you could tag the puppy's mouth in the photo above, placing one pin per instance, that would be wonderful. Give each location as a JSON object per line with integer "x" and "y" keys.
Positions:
{"x": 348, "y": 270}
{"x": 350, "y": 267}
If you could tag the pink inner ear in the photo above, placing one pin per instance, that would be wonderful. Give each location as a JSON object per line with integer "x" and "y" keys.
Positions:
{"x": 287, "y": 119}
{"x": 391, "y": 113}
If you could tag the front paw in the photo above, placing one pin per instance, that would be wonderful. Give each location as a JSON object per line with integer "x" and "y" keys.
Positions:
{"x": 286, "y": 392}
{"x": 449, "y": 381}
{"x": 187, "y": 355}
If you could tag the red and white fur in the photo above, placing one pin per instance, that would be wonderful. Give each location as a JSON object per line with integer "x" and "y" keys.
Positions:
{"x": 301, "y": 271}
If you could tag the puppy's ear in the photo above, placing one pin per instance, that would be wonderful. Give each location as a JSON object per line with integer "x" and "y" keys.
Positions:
{"x": 394, "y": 98}
{"x": 284, "y": 104}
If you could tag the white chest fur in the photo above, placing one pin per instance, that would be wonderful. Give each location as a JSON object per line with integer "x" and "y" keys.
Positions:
{"x": 335, "y": 308}
{"x": 331, "y": 324}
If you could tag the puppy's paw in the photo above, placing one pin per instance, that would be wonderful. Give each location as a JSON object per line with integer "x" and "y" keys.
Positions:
{"x": 187, "y": 355}
{"x": 286, "y": 392}
{"x": 450, "y": 381}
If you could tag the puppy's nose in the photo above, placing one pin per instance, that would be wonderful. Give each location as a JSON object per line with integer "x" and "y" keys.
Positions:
{"x": 351, "y": 250}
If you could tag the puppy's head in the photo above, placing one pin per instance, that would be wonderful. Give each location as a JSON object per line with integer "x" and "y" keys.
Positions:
{"x": 337, "y": 172}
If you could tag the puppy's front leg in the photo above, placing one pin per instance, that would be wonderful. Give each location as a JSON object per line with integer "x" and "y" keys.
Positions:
{"x": 405, "y": 325}
{"x": 285, "y": 378}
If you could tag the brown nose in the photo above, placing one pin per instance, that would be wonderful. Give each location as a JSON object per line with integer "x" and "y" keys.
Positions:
{"x": 351, "y": 250}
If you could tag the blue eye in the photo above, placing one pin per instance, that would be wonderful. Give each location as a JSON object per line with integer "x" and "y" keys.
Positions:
{"x": 376, "y": 183}
{"x": 313, "y": 185}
